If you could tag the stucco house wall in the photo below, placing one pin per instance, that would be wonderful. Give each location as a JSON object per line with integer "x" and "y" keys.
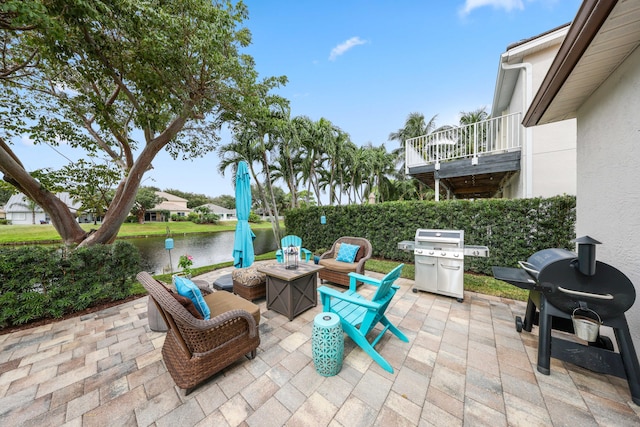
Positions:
{"x": 17, "y": 211}
{"x": 608, "y": 202}
{"x": 224, "y": 213}
{"x": 553, "y": 146}
{"x": 172, "y": 203}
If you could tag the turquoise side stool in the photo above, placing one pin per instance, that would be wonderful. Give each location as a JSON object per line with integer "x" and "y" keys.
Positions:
{"x": 327, "y": 344}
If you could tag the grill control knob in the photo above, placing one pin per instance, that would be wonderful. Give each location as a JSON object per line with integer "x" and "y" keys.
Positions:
{"x": 431, "y": 252}
{"x": 456, "y": 255}
{"x": 443, "y": 253}
{"x": 419, "y": 251}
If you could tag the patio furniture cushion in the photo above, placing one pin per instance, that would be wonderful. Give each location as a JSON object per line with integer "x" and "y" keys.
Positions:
{"x": 334, "y": 264}
{"x": 249, "y": 283}
{"x": 223, "y": 283}
{"x": 221, "y": 302}
{"x": 187, "y": 288}
{"x": 188, "y": 304}
{"x": 347, "y": 252}
{"x": 359, "y": 255}
{"x": 249, "y": 276}
{"x": 337, "y": 271}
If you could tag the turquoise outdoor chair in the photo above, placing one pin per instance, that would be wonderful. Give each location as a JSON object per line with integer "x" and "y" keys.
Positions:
{"x": 359, "y": 315}
{"x": 296, "y": 241}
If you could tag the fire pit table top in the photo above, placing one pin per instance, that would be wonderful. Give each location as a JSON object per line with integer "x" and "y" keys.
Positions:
{"x": 281, "y": 272}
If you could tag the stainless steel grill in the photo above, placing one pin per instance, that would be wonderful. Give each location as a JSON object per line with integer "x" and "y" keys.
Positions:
{"x": 439, "y": 260}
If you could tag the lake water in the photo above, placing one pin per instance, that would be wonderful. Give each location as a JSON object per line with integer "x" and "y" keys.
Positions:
{"x": 206, "y": 249}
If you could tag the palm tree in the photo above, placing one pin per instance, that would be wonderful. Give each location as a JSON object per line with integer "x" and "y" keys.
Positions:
{"x": 255, "y": 139}
{"x": 414, "y": 126}
{"x": 312, "y": 140}
{"x": 468, "y": 135}
{"x": 381, "y": 166}
{"x": 31, "y": 205}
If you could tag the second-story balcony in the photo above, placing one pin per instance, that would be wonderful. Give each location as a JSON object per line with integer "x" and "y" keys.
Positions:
{"x": 467, "y": 161}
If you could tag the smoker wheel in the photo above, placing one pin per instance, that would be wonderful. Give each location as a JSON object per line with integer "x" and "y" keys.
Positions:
{"x": 459, "y": 299}
{"x": 518, "y": 323}
{"x": 415, "y": 291}
{"x": 602, "y": 342}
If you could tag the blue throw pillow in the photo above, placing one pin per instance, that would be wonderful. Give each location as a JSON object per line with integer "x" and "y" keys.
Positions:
{"x": 347, "y": 252}
{"x": 187, "y": 288}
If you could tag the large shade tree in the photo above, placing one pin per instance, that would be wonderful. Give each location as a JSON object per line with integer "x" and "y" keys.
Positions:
{"x": 123, "y": 80}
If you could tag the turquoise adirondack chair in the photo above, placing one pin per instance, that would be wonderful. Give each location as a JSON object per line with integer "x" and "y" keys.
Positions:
{"x": 359, "y": 315}
{"x": 296, "y": 241}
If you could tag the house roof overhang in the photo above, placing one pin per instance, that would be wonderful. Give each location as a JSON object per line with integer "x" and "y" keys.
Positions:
{"x": 602, "y": 35}
{"x": 515, "y": 54}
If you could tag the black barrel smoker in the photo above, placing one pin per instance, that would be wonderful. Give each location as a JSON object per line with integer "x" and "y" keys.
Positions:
{"x": 574, "y": 293}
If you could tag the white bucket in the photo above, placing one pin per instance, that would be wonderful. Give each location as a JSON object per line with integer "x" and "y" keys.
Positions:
{"x": 585, "y": 327}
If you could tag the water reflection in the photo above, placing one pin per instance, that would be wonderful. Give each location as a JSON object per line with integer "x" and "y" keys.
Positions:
{"x": 206, "y": 249}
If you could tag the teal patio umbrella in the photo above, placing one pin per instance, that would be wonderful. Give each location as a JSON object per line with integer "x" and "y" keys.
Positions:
{"x": 243, "y": 255}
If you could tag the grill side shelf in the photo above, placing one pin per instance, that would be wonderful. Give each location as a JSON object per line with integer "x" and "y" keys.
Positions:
{"x": 477, "y": 251}
{"x": 514, "y": 276}
{"x": 407, "y": 245}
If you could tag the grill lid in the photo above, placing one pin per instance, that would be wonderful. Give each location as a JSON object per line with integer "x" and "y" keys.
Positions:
{"x": 440, "y": 236}
{"x": 608, "y": 292}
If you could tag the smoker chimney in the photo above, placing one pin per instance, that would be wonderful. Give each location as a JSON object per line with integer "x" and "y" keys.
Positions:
{"x": 586, "y": 255}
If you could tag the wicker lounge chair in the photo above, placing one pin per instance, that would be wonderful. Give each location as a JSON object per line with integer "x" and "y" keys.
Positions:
{"x": 196, "y": 349}
{"x": 337, "y": 271}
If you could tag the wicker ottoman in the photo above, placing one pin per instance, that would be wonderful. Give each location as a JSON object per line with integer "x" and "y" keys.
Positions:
{"x": 249, "y": 283}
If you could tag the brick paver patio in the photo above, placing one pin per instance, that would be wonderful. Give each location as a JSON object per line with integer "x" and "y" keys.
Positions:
{"x": 465, "y": 364}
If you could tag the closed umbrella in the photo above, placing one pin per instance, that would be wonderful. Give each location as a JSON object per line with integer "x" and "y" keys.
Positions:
{"x": 243, "y": 255}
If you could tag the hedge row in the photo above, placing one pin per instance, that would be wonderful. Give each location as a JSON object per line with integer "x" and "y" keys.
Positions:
{"x": 50, "y": 281}
{"x": 513, "y": 229}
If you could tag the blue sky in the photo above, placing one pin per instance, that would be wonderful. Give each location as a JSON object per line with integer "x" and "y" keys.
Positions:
{"x": 365, "y": 65}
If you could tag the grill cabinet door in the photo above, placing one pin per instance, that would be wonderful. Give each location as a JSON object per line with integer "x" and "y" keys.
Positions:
{"x": 451, "y": 277}
{"x": 426, "y": 273}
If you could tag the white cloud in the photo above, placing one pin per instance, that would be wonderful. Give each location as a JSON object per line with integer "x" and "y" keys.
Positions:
{"x": 26, "y": 140}
{"x": 508, "y": 5}
{"x": 345, "y": 46}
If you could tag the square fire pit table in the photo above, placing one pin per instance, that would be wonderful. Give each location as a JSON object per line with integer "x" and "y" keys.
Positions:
{"x": 290, "y": 292}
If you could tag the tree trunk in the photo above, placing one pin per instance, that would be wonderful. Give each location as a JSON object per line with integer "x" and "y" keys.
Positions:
{"x": 61, "y": 217}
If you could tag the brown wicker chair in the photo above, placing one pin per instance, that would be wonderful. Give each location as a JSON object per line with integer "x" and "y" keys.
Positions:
{"x": 337, "y": 271}
{"x": 195, "y": 349}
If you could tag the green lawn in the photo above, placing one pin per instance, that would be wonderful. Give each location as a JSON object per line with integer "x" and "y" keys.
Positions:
{"x": 45, "y": 233}
{"x": 472, "y": 282}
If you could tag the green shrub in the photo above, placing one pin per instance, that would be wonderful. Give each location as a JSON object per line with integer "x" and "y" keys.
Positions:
{"x": 51, "y": 281}
{"x": 255, "y": 218}
{"x": 513, "y": 229}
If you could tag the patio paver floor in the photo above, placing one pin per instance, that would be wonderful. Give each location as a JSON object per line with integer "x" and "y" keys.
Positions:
{"x": 465, "y": 364}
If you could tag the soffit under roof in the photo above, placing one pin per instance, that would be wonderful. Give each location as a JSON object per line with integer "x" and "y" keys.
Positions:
{"x": 616, "y": 39}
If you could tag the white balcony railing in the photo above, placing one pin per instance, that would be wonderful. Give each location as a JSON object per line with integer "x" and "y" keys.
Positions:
{"x": 497, "y": 135}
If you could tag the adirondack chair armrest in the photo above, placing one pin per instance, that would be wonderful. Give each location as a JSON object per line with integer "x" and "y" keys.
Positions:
{"x": 354, "y": 278}
{"x": 332, "y": 293}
